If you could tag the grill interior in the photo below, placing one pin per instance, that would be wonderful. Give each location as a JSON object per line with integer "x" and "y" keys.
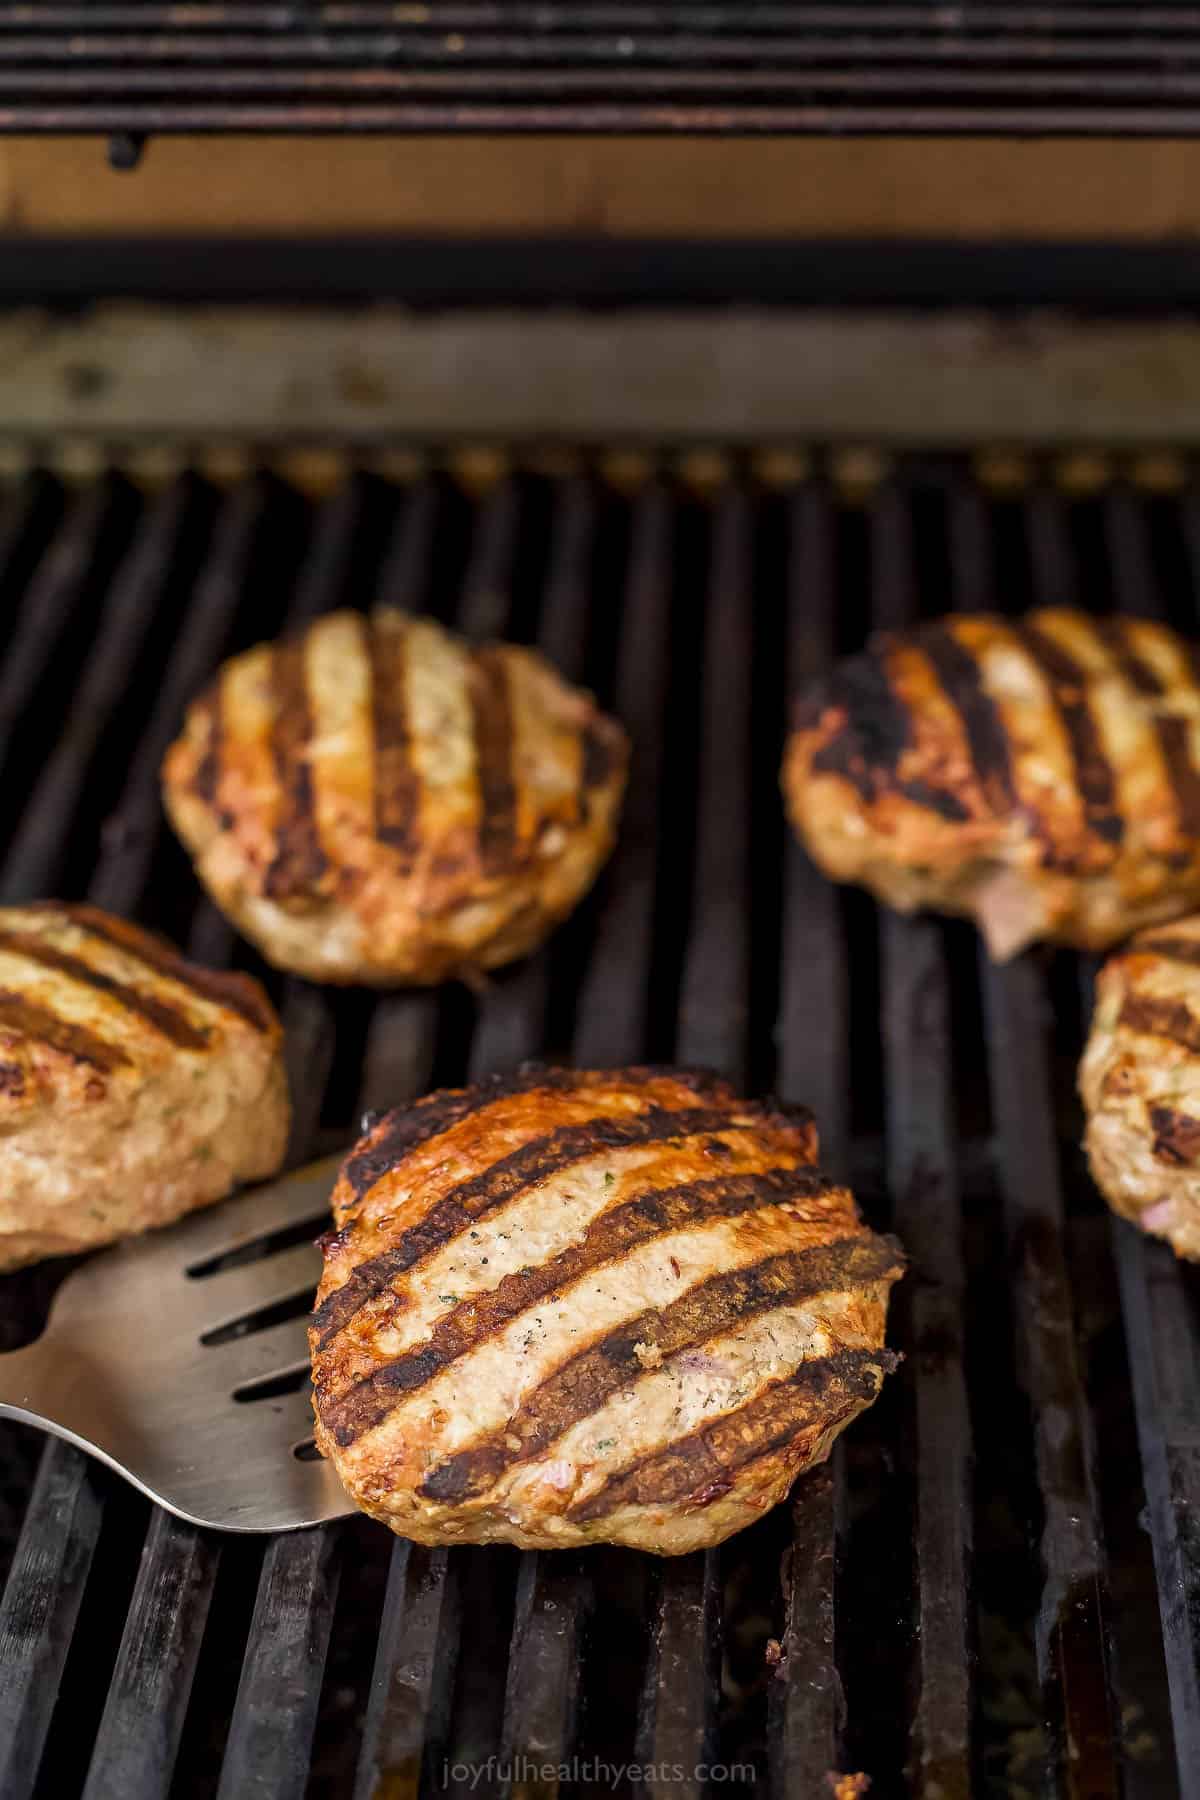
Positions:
{"x": 620, "y": 65}
{"x": 993, "y": 1587}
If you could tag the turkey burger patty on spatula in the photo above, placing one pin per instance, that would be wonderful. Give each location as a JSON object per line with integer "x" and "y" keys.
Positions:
{"x": 575, "y": 1307}
{"x": 134, "y": 1085}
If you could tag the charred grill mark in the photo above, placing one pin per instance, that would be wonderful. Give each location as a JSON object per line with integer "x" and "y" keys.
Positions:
{"x": 44, "y": 1027}
{"x": 173, "y": 1025}
{"x": 397, "y": 785}
{"x": 875, "y": 732}
{"x": 943, "y": 801}
{"x": 612, "y": 1235}
{"x": 12, "y": 1079}
{"x": 961, "y": 680}
{"x": 299, "y": 861}
{"x": 408, "y": 1127}
{"x": 603, "y": 756}
{"x": 239, "y": 994}
{"x": 533, "y": 1163}
{"x": 207, "y": 778}
{"x": 1068, "y": 684}
{"x": 1138, "y": 673}
{"x": 601, "y": 753}
{"x": 1172, "y": 949}
{"x": 1174, "y": 735}
{"x": 1172, "y": 732}
{"x": 1176, "y": 1136}
{"x": 698, "y": 1469}
{"x": 491, "y": 710}
{"x": 579, "y": 1386}
{"x": 1162, "y": 1018}
{"x": 876, "y": 729}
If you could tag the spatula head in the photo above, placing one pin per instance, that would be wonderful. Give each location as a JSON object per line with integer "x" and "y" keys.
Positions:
{"x": 181, "y": 1359}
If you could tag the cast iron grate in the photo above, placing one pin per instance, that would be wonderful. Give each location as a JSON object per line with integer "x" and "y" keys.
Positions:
{"x": 993, "y": 1588}
{"x": 621, "y": 65}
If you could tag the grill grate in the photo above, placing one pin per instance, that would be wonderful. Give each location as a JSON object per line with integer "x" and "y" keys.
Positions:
{"x": 965, "y": 1601}
{"x": 504, "y": 65}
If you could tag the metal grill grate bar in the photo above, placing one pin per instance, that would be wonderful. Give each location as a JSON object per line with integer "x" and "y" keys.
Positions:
{"x": 55, "y": 592}
{"x": 270, "y": 1734}
{"x": 207, "y": 628}
{"x": 805, "y": 1701}
{"x": 275, "y": 1713}
{"x": 927, "y": 1216}
{"x": 680, "y": 1698}
{"x": 1072, "y": 1630}
{"x": 404, "y": 1725}
{"x": 406, "y": 1721}
{"x": 36, "y": 856}
{"x": 179, "y": 1565}
{"x": 398, "y": 1058}
{"x": 1165, "y": 1368}
{"x": 408, "y": 1716}
{"x": 554, "y": 1590}
{"x": 147, "y": 1701}
{"x": 407, "y": 1726}
{"x": 41, "y": 1605}
{"x": 57, "y": 1545}
{"x": 613, "y": 1011}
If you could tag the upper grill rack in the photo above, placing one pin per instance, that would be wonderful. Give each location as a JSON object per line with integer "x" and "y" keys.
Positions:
{"x": 969, "y": 1602}
{"x": 624, "y": 65}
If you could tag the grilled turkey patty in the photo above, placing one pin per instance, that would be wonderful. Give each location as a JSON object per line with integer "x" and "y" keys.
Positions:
{"x": 375, "y": 801}
{"x": 1140, "y": 1082}
{"x": 574, "y": 1307}
{"x": 134, "y": 1086}
{"x": 1040, "y": 774}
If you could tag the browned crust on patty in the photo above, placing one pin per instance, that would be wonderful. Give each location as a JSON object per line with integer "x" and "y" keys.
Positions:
{"x": 492, "y": 712}
{"x": 593, "y": 1241}
{"x": 239, "y": 993}
{"x": 26, "y": 1019}
{"x": 1056, "y": 751}
{"x": 374, "y": 800}
{"x": 155, "y": 1010}
{"x": 1140, "y": 1082}
{"x": 578, "y": 1385}
{"x": 505, "y": 1180}
{"x": 134, "y": 1086}
{"x": 693, "y": 1471}
{"x": 396, "y": 786}
{"x": 299, "y": 862}
{"x": 467, "y": 1326}
{"x": 1176, "y": 1135}
{"x": 1155, "y": 1017}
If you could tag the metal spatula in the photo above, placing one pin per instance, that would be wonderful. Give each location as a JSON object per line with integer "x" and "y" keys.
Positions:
{"x": 167, "y": 1361}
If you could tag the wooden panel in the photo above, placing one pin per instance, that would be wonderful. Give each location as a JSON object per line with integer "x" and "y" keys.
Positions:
{"x": 736, "y": 187}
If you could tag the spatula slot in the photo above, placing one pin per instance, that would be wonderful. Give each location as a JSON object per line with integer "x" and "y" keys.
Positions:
{"x": 303, "y": 1231}
{"x": 294, "y": 1307}
{"x": 287, "y": 1381}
